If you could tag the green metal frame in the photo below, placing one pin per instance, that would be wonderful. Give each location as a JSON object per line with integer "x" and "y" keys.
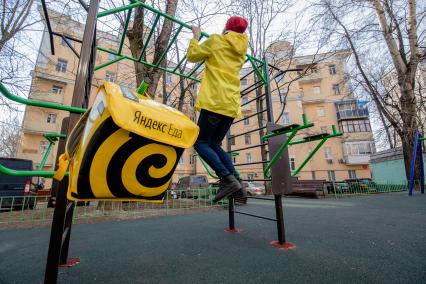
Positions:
{"x": 135, "y": 4}
{"x": 293, "y": 131}
{"x": 52, "y": 138}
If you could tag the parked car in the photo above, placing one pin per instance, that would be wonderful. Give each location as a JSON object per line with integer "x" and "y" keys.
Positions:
{"x": 336, "y": 187}
{"x": 16, "y": 192}
{"x": 192, "y": 186}
{"x": 254, "y": 188}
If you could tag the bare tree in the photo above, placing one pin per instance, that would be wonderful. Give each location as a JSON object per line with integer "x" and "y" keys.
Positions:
{"x": 391, "y": 31}
{"x": 9, "y": 136}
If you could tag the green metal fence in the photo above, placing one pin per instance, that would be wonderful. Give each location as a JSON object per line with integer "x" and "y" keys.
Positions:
{"x": 33, "y": 210}
{"x": 347, "y": 189}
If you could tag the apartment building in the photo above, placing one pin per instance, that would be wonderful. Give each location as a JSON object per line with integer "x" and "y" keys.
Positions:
{"x": 322, "y": 94}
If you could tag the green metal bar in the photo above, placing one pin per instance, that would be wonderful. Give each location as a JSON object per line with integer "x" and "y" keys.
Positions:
{"x": 109, "y": 62}
{"x": 168, "y": 47}
{"x": 256, "y": 69}
{"x": 267, "y": 136}
{"x": 207, "y": 168}
{"x": 422, "y": 139}
{"x": 306, "y": 140}
{"x": 151, "y": 32}
{"x": 123, "y": 36}
{"x": 196, "y": 68}
{"x": 46, "y": 154}
{"x": 12, "y": 97}
{"x": 305, "y": 119}
{"x": 19, "y": 173}
{"x": 278, "y": 154}
{"x": 179, "y": 64}
{"x": 54, "y": 135}
{"x": 309, "y": 157}
{"x": 119, "y": 9}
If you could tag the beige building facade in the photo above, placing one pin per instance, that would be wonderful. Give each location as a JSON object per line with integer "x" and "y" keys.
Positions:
{"x": 322, "y": 95}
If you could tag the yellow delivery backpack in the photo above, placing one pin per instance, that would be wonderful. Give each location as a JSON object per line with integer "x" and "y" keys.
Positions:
{"x": 125, "y": 147}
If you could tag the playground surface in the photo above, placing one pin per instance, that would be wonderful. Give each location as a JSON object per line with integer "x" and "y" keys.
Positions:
{"x": 364, "y": 239}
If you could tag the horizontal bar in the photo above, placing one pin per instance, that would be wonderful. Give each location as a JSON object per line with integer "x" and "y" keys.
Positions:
{"x": 119, "y": 9}
{"x": 247, "y": 132}
{"x": 151, "y": 32}
{"x": 70, "y": 46}
{"x": 252, "y": 163}
{"x": 273, "y": 134}
{"x": 59, "y": 135}
{"x": 248, "y": 74}
{"x": 252, "y": 88}
{"x": 251, "y": 115}
{"x": 255, "y": 99}
{"x": 19, "y": 173}
{"x": 422, "y": 139}
{"x": 257, "y": 179}
{"x": 109, "y": 63}
{"x": 68, "y": 37}
{"x": 261, "y": 198}
{"x": 148, "y": 64}
{"x": 250, "y": 147}
{"x": 306, "y": 140}
{"x": 256, "y": 216}
{"x": 17, "y": 99}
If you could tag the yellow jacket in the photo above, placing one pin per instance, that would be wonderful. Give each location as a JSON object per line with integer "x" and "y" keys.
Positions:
{"x": 220, "y": 86}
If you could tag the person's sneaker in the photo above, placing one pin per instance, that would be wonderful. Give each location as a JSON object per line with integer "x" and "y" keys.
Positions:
{"x": 228, "y": 186}
{"x": 241, "y": 195}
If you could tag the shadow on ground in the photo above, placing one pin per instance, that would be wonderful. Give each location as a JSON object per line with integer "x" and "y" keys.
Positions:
{"x": 365, "y": 239}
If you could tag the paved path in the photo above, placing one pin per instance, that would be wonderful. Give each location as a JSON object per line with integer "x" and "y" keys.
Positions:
{"x": 365, "y": 239}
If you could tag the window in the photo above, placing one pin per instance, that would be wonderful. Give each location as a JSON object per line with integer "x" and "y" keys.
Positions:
{"x": 109, "y": 76}
{"x": 244, "y": 82}
{"x": 313, "y": 175}
{"x": 314, "y": 69}
{"x": 191, "y": 101}
{"x": 352, "y": 173}
{"x": 192, "y": 159}
{"x": 358, "y": 148}
{"x": 327, "y": 153}
{"x": 357, "y": 125}
{"x": 250, "y": 176}
{"x": 181, "y": 161}
{"x": 324, "y": 129}
{"x": 43, "y": 146}
{"x": 232, "y": 140}
{"x": 244, "y": 100}
{"x": 111, "y": 56}
{"x": 331, "y": 176}
{"x": 56, "y": 89}
{"x": 63, "y": 42}
{"x": 248, "y": 157}
{"x": 247, "y": 139}
{"x": 234, "y": 159}
{"x": 286, "y": 118}
{"x": 317, "y": 90}
{"x": 332, "y": 69}
{"x": 336, "y": 89}
{"x": 283, "y": 95}
{"x": 321, "y": 112}
{"x": 51, "y": 118}
{"x": 168, "y": 79}
{"x": 246, "y": 121}
{"x": 292, "y": 164}
{"x": 61, "y": 65}
{"x": 280, "y": 78}
{"x": 169, "y": 99}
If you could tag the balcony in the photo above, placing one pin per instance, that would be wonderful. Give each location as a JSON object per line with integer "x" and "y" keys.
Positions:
{"x": 47, "y": 97}
{"x": 40, "y": 127}
{"x": 357, "y": 159}
{"x": 311, "y": 78}
{"x": 352, "y": 113}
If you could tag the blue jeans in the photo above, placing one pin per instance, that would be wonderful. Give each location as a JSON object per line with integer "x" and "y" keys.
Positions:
{"x": 213, "y": 128}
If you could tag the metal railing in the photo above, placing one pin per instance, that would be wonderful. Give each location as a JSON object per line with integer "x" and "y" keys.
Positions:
{"x": 347, "y": 189}
{"x": 34, "y": 210}
{"x": 351, "y": 113}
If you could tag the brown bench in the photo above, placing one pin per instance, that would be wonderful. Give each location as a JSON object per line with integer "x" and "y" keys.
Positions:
{"x": 311, "y": 188}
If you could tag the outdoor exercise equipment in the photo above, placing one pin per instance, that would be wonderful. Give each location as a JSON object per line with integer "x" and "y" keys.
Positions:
{"x": 417, "y": 151}
{"x": 62, "y": 218}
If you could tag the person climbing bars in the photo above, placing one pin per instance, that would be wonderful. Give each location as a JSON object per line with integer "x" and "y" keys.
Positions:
{"x": 219, "y": 100}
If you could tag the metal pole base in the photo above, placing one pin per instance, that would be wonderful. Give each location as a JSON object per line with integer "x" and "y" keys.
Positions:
{"x": 71, "y": 262}
{"x": 232, "y": 230}
{"x": 284, "y": 246}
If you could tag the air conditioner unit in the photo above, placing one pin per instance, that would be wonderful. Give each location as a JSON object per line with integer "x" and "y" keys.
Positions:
{"x": 341, "y": 161}
{"x": 329, "y": 161}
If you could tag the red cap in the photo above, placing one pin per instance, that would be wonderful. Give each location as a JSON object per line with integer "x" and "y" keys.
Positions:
{"x": 236, "y": 24}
